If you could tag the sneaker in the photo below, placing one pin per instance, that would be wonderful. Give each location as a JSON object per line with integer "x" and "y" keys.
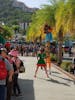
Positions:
{"x": 19, "y": 94}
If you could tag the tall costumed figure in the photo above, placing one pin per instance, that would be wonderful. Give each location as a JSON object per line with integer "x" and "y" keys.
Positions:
{"x": 48, "y": 39}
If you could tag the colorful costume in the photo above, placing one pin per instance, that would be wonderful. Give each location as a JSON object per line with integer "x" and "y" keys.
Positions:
{"x": 48, "y": 60}
{"x": 41, "y": 61}
{"x": 49, "y": 37}
{"x": 48, "y": 32}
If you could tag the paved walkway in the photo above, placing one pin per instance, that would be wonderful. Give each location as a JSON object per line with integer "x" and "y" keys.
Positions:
{"x": 57, "y": 87}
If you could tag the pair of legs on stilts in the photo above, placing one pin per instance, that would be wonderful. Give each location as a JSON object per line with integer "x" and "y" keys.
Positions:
{"x": 44, "y": 69}
{"x": 49, "y": 67}
{"x": 48, "y": 64}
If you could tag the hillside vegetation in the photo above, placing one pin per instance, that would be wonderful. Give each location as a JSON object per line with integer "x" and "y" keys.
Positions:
{"x": 12, "y": 15}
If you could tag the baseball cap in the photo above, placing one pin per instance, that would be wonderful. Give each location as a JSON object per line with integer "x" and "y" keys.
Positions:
{"x": 3, "y": 49}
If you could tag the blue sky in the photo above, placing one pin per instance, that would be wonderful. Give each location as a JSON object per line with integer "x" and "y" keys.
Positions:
{"x": 35, "y": 3}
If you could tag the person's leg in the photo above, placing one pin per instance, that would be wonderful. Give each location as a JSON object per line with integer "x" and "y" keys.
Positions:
{"x": 9, "y": 90}
{"x": 17, "y": 86}
{"x": 2, "y": 92}
{"x": 36, "y": 71}
{"x": 46, "y": 71}
{"x": 49, "y": 64}
{"x": 14, "y": 85}
{"x": 47, "y": 38}
{"x": 50, "y": 37}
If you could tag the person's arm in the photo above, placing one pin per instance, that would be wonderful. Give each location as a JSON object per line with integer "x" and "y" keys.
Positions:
{"x": 10, "y": 70}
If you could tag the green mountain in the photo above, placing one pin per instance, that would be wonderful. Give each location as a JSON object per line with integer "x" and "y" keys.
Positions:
{"x": 13, "y": 12}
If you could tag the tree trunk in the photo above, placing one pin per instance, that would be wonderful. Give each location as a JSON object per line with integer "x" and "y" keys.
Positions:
{"x": 60, "y": 42}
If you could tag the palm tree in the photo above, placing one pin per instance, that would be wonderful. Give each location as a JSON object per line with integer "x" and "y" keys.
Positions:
{"x": 61, "y": 13}
{"x": 65, "y": 17}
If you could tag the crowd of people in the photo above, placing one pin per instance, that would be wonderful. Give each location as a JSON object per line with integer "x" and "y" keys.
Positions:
{"x": 9, "y": 58}
{"x": 9, "y": 71}
{"x": 10, "y": 66}
{"x": 25, "y": 49}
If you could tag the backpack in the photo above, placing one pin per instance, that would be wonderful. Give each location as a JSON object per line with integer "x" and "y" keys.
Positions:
{"x": 3, "y": 70}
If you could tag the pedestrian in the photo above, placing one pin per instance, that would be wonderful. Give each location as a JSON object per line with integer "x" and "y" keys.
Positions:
{"x": 73, "y": 60}
{"x": 5, "y": 68}
{"x": 9, "y": 84}
{"x": 41, "y": 62}
{"x": 16, "y": 87}
{"x": 70, "y": 53}
{"x": 22, "y": 50}
{"x": 16, "y": 66}
{"x": 73, "y": 65}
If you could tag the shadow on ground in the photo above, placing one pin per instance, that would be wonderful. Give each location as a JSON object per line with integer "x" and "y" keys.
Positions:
{"x": 55, "y": 72}
{"x": 54, "y": 81}
{"x": 63, "y": 78}
{"x": 58, "y": 82}
{"x": 27, "y": 90}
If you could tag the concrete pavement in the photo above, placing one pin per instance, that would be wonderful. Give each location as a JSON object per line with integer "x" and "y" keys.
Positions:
{"x": 58, "y": 87}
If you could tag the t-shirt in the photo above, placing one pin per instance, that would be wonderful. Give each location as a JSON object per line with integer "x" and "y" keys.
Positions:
{"x": 9, "y": 67}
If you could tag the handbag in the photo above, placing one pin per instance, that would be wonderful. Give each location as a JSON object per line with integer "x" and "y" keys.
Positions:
{"x": 22, "y": 69}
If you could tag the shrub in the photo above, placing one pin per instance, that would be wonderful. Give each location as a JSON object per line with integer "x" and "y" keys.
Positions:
{"x": 66, "y": 66}
{"x": 53, "y": 57}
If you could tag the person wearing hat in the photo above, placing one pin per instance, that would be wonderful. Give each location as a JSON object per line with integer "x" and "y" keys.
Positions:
{"x": 16, "y": 65}
{"x": 9, "y": 69}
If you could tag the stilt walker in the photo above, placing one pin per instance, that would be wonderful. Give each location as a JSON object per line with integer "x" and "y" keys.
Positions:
{"x": 48, "y": 39}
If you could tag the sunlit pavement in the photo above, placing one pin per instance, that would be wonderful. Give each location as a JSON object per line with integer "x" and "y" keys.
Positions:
{"x": 57, "y": 87}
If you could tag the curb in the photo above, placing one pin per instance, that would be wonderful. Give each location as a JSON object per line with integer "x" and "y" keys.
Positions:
{"x": 66, "y": 73}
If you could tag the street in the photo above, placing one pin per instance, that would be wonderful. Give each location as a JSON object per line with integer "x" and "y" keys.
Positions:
{"x": 57, "y": 87}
